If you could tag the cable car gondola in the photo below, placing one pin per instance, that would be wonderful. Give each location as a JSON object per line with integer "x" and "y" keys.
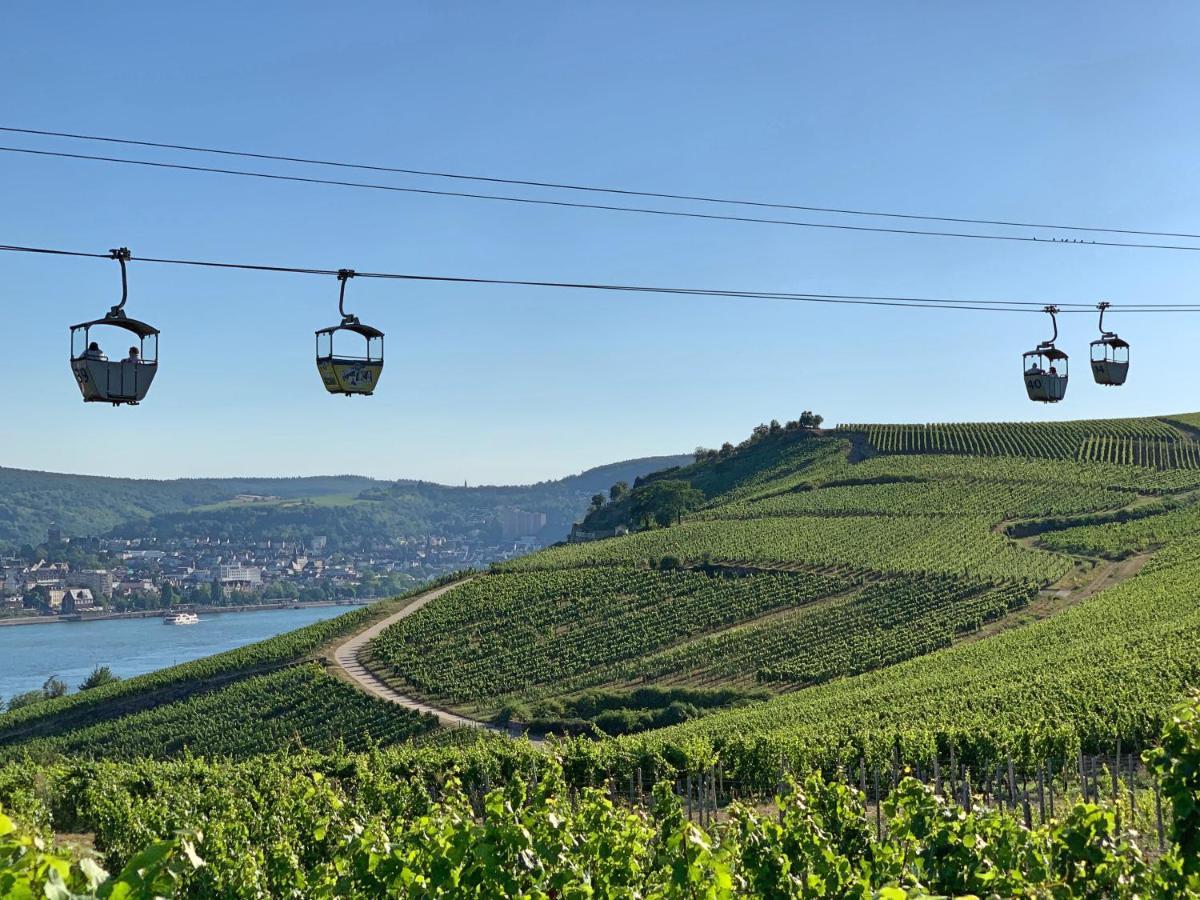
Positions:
{"x": 347, "y": 374}
{"x": 1044, "y": 382}
{"x": 119, "y": 382}
{"x": 1110, "y": 355}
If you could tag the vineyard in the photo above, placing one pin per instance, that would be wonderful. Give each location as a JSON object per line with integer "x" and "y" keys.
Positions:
{"x": 944, "y": 496}
{"x": 378, "y": 825}
{"x": 507, "y": 634}
{"x": 855, "y": 591}
{"x": 952, "y": 545}
{"x": 1117, "y": 540}
{"x": 299, "y": 706}
{"x": 1105, "y": 670}
{"x": 122, "y": 697}
{"x": 886, "y": 623}
{"x": 1150, "y": 443}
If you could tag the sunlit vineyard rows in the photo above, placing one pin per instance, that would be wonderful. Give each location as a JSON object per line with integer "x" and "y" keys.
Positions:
{"x": 942, "y": 496}
{"x": 506, "y": 634}
{"x": 886, "y": 622}
{"x": 1119, "y": 539}
{"x": 1106, "y": 669}
{"x": 299, "y": 706}
{"x": 1050, "y": 472}
{"x": 509, "y": 822}
{"x": 954, "y": 545}
{"x": 1141, "y": 442}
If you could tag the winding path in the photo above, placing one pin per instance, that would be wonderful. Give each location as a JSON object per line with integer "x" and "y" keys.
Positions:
{"x": 345, "y": 655}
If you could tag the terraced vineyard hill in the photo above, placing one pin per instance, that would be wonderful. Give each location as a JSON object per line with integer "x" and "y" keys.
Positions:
{"x": 1007, "y": 599}
{"x": 814, "y": 555}
{"x": 805, "y": 560}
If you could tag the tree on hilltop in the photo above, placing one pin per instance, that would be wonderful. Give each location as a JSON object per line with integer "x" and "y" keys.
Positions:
{"x": 663, "y": 502}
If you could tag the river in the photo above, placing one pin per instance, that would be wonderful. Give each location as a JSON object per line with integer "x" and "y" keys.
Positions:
{"x": 29, "y": 654}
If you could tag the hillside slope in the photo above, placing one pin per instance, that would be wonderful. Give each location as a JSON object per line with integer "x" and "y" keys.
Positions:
{"x": 835, "y": 573}
{"x": 340, "y": 507}
{"x": 795, "y": 566}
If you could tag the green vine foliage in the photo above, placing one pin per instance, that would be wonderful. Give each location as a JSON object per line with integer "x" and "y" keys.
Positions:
{"x": 353, "y": 831}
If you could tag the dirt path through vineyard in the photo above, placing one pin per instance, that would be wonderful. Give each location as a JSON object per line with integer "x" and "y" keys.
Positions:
{"x": 346, "y": 654}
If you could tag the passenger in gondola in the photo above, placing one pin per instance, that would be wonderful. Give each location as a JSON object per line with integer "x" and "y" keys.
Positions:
{"x": 1034, "y": 369}
{"x": 1053, "y": 371}
{"x": 94, "y": 352}
{"x": 133, "y": 355}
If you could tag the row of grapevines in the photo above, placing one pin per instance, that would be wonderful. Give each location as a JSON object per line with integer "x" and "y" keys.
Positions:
{"x": 299, "y": 705}
{"x": 1134, "y": 441}
{"x": 1049, "y": 472}
{"x": 955, "y": 545}
{"x": 371, "y": 826}
{"x": 111, "y": 700}
{"x": 1116, "y": 540}
{"x": 1103, "y": 670}
{"x": 885, "y": 623}
{"x": 507, "y": 634}
{"x": 1000, "y": 499}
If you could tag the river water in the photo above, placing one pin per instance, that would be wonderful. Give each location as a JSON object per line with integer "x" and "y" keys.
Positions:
{"x": 29, "y": 654}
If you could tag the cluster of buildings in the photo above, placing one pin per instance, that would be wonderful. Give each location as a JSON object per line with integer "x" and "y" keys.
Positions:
{"x": 149, "y": 572}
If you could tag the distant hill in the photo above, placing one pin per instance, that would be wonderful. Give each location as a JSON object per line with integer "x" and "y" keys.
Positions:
{"x": 344, "y": 507}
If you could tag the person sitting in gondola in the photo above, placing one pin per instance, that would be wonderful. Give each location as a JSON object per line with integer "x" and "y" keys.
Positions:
{"x": 94, "y": 352}
{"x": 133, "y": 355}
{"x": 1053, "y": 371}
{"x": 1035, "y": 369}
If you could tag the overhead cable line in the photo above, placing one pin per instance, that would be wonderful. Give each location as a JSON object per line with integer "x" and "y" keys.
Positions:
{"x": 672, "y": 213}
{"x": 838, "y": 299}
{"x": 628, "y": 192}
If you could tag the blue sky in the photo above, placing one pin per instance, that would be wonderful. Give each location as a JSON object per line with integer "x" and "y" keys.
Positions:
{"x": 1075, "y": 112}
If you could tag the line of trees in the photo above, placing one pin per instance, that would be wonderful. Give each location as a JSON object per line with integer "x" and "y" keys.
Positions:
{"x": 808, "y": 421}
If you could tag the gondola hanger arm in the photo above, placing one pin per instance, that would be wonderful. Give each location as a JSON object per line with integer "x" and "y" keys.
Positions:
{"x": 343, "y": 276}
{"x": 122, "y": 256}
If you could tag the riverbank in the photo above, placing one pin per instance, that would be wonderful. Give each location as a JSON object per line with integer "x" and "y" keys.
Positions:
{"x": 199, "y": 610}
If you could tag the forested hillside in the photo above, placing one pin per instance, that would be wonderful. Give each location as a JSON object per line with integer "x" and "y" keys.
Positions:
{"x": 347, "y": 508}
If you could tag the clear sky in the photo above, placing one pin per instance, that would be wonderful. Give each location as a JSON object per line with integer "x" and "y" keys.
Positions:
{"x": 1070, "y": 111}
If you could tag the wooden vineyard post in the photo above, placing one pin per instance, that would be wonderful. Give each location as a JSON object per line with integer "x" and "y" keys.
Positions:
{"x": 689, "y": 797}
{"x": 879, "y": 817}
{"x": 1132, "y": 790}
{"x": 641, "y": 792}
{"x": 1050, "y": 774}
{"x": 1116, "y": 773}
{"x": 1158, "y": 814}
{"x": 1012, "y": 784}
{"x": 937, "y": 776}
{"x": 1041, "y": 783}
{"x": 862, "y": 777}
{"x": 953, "y": 770}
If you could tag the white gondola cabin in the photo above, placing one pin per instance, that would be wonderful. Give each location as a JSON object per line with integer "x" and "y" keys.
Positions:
{"x": 1044, "y": 368}
{"x": 121, "y": 382}
{"x": 1110, "y": 355}
{"x": 349, "y": 373}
